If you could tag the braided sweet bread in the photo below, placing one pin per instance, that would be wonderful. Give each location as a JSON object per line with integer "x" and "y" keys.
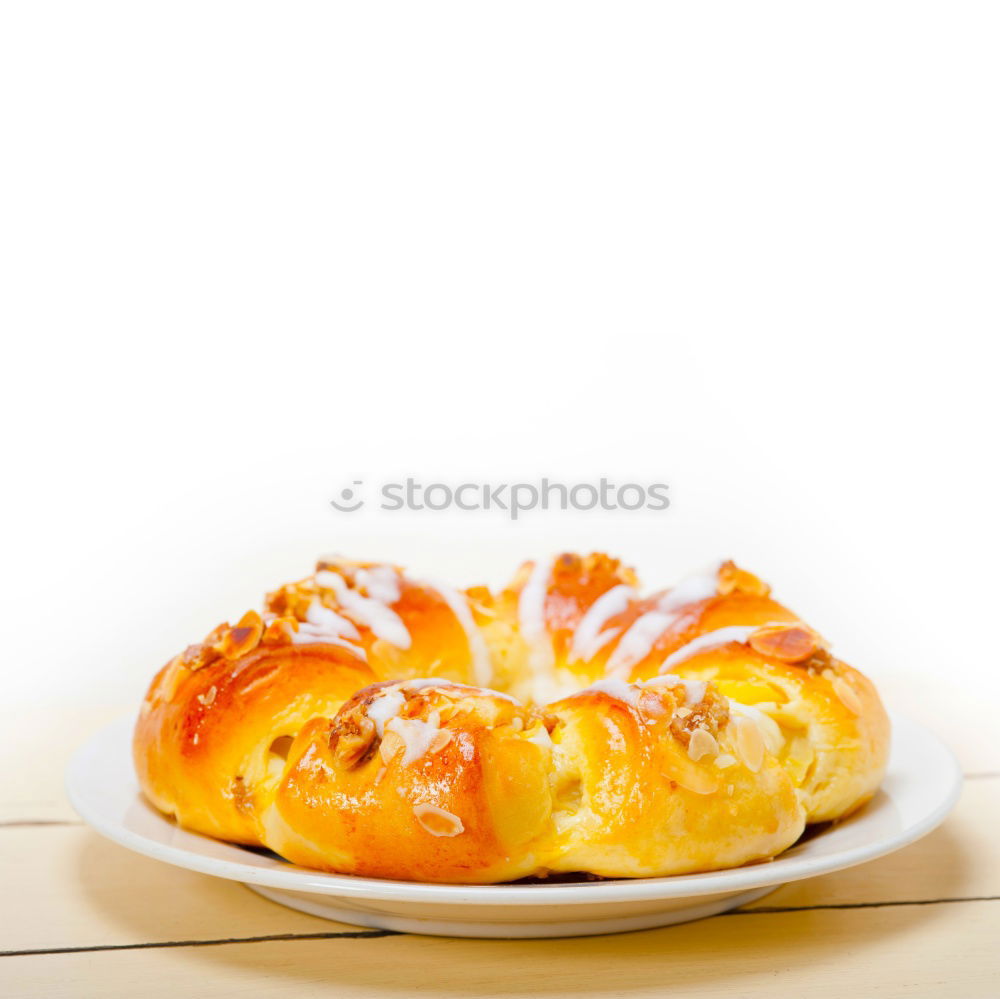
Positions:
{"x": 370, "y": 723}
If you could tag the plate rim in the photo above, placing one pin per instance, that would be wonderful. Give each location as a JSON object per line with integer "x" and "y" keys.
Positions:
{"x": 775, "y": 872}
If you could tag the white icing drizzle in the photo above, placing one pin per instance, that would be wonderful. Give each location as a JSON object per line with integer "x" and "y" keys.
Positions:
{"x": 387, "y": 705}
{"x": 416, "y": 734}
{"x": 711, "y": 639}
{"x": 694, "y": 690}
{"x": 482, "y": 668}
{"x": 437, "y": 681}
{"x": 639, "y": 640}
{"x": 617, "y": 688}
{"x": 588, "y": 638}
{"x": 330, "y": 621}
{"x": 384, "y": 708}
{"x": 647, "y": 629}
{"x": 631, "y": 693}
{"x": 309, "y": 635}
{"x": 692, "y": 589}
{"x": 323, "y": 625}
{"x": 384, "y": 622}
{"x": 427, "y": 681}
{"x": 531, "y": 602}
{"x": 380, "y": 582}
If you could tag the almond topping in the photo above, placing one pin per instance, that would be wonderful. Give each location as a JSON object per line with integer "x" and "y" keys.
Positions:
{"x": 732, "y": 579}
{"x": 391, "y": 744}
{"x": 437, "y": 821}
{"x": 279, "y": 631}
{"x": 351, "y": 738}
{"x": 440, "y": 741}
{"x": 788, "y": 643}
{"x": 244, "y": 638}
{"x": 750, "y": 743}
{"x": 847, "y": 695}
{"x": 702, "y": 744}
{"x": 725, "y": 760}
{"x": 682, "y": 712}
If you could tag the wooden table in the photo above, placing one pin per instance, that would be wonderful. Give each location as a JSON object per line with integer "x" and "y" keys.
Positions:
{"x": 83, "y": 917}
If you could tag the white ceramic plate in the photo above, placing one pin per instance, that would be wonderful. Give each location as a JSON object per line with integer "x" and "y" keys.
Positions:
{"x": 920, "y": 789}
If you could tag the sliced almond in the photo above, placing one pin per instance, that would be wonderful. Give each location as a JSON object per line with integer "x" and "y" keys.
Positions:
{"x": 440, "y": 741}
{"x": 196, "y": 656}
{"x": 725, "y": 760}
{"x": 846, "y": 694}
{"x": 391, "y": 744}
{"x": 176, "y": 673}
{"x": 208, "y": 696}
{"x": 749, "y": 743}
{"x": 682, "y": 712}
{"x": 788, "y": 643}
{"x": 698, "y": 781}
{"x": 732, "y": 579}
{"x": 280, "y": 631}
{"x": 437, "y": 821}
{"x": 244, "y": 638}
{"x": 702, "y": 744}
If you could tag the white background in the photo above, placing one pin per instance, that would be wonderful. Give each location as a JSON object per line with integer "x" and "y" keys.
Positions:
{"x": 253, "y": 252}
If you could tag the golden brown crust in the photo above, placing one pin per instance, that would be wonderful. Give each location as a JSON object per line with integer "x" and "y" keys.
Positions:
{"x": 662, "y": 795}
{"x": 473, "y": 807}
{"x": 834, "y": 729}
{"x": 338, "y": 728}
{"x": 429, "y": 638}
{"x": 208, "y": 743}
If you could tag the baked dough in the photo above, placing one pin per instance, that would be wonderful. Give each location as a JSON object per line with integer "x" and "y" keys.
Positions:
{"x": 367, "y": 722}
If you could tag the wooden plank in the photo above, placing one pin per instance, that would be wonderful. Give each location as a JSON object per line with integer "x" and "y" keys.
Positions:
{"x": 960, "y": 859}
{"x": 86, "y": 891}
{"x": 42, "y": 744}
{"x": 65, "y": 886}
{"x": 909, "y": 950}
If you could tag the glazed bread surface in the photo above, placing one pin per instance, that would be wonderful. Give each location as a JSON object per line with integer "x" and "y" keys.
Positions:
{"x": 373, "y": 723}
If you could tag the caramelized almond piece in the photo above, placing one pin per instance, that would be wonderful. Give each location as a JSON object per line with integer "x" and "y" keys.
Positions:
{"x": 788, "y": 643}
{"x": 244, "y": 638}
{"x": 279, "y": 631}
{"x": 732, "y": 579}
{"x": 353, "y": 735}
{"x": 437, "y": 821}
{"x": 196, "y": 656}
